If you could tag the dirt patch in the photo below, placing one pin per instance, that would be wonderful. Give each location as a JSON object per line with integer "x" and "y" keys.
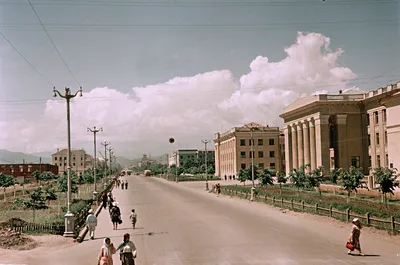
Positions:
{"x": 10, "y": 239}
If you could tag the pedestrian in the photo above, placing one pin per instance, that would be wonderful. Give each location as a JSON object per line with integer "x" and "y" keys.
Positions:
{"x": 128, "y": 251}
{"x": 110, "y": 201}
{"x": 104, "y": 200}
{"x": 354, "y": 238}
{"x": 122, "y": 185}
{"x": 115, "y": 215}
{"x": 106, "y": 252}
{"x": 91, "y": 222}
{"x": 126, "y": 184}
{"x": 218, "y": 189}
{"x": 133, "y": 218}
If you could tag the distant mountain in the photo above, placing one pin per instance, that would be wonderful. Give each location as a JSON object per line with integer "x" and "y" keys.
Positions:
{"x": 125, "y": 162}
{"x": 8, "y": 157}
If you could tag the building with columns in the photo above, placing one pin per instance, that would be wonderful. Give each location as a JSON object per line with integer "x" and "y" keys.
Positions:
{"x": 354, "y": 128}
{"x": 233, "y": 149}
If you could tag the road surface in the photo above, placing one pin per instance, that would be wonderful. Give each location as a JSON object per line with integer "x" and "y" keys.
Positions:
{"x": 183, "y": 224}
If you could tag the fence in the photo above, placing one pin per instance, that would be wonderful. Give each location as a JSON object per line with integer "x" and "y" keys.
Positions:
{"x": 186, "y": 178}
{"x": 24, "y": 227}
{"x": 388, "y": 224}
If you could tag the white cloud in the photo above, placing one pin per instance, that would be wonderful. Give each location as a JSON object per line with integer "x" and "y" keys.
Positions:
{"x": 189, "y": 108}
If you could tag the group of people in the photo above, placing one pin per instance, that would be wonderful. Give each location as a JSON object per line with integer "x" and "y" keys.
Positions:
{"x": 127, "y": 248}
{"x": 121, "y": 183}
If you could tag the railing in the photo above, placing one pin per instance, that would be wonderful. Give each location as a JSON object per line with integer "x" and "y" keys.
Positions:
{"x": 389, "y": 224}
{"x": 24, "y": 227}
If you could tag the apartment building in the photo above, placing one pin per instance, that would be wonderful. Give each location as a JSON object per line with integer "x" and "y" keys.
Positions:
{"x": 23, "y": 171}
{"x": 80, "y": 160}
{"x": 355, "y": 128}
{"x": 181, "y": 156}
{"x": 233, "y": 149}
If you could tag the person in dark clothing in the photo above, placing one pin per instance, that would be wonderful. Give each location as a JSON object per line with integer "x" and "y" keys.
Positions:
{"x": 115, "y": 215}
{"x": 126, "y": 184}
{"x": 122, "y": 185}
{"x": 104, "y": 200}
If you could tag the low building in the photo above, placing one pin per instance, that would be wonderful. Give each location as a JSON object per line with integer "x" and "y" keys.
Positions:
{"x": 355, "y": 128}
{"x": 181, "y": 156}
{"x": 23, "y": 171}
{"x": 80, "y": 160}
{"x": 233, "y": 149}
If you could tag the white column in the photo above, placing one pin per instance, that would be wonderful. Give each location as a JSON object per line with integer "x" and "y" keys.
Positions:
{"x": 287, "y": 149}
{"x": 313, "y": 161}
{"x": 294, "y": 146}
{"x": 382, "y": 151}
{"x": 306, "y": 142}
{"x": 300, "y": 147}
{"x": 322, "y": 141}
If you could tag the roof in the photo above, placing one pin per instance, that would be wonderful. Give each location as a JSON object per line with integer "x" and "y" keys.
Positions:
{"x": 62, "y": 151}
{"x": 301, "y": 102}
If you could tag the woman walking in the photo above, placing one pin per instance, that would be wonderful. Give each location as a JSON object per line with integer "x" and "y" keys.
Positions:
{"x": 354, "y": 238}
{"x": 115, "y": 215}
{"x": 106, "y": 252}
{"x": 128, "y": 251}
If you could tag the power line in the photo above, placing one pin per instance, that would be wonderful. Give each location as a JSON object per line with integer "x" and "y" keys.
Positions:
{"x": 26, "y": 60}
{"x": 54, "y": 45}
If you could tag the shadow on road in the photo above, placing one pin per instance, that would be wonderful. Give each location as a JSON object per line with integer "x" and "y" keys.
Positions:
{"x": 365, "y": 255}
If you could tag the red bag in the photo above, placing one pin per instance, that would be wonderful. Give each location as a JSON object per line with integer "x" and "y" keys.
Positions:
{"x": 349, "y": 246}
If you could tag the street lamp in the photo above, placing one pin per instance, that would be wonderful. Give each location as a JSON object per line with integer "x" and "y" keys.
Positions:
{"x": 105, "y": 144}
{"x": 252, "y": 162}
{"x": 94, "y": 131}
{"x": 69, "y": 216}
{"x": 171, "y": 141}
{"x": 111, "y": 152}
{"x": 205, "y": 142}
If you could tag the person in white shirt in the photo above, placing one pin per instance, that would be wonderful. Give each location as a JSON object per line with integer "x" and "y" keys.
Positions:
{"x": 128, "y": 251}
{"x": 91, "y": 222}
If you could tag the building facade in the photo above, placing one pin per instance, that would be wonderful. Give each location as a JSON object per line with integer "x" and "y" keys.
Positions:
{"x": 181, "y": 156}
{"x": 23, "y": 171}
{"x": 233, "y": 149}
{"x": 80, "y": 160}
{"x": 355, "y": 128}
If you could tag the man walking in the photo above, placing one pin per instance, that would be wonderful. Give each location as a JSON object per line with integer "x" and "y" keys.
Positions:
{"x": 91, "y": 222}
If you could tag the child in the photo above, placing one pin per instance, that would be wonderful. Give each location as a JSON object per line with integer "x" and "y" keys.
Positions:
{"x": 133, "y": 218}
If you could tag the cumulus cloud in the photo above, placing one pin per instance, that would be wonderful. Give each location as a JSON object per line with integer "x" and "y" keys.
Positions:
{"x": 191, "y": 108}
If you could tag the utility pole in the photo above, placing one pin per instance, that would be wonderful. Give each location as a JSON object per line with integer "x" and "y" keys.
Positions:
{"x": 105, "y": 144}
{"x": 110, "y": 151}
{"x": 94, "y": 131}
{"x": 69, "y": 217}
{"x": 205, "y": 142}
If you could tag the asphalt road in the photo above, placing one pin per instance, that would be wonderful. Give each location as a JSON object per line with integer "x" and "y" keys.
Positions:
{"x": 183, "y": 224}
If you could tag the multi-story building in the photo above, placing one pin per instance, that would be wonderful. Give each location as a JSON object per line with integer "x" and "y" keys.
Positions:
{"x": 233, "y": 149}
{"x": 356, "y": 128}
{"x": 22, "y": 171}
{"x": 80, "y": 160}
{"x": 181, "y": 156}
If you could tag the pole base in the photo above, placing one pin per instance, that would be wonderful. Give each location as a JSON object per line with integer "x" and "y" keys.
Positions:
{"x": 69, "y": 225}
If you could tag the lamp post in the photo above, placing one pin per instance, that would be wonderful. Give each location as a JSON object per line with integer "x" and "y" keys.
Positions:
{"x": 94, "y": 131}
{"x": 171, "y": 141}
{"x": 105, "y": 144}
{"x": 252, "y": 162}
{"x": 205, "y": 142}
{"x": 111, "y": 152}
{"x": 69, "y": 216}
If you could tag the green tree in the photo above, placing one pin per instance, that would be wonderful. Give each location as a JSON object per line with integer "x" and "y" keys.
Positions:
{"x": 243, "y": 175}
{"x": 36, "y": 175}
{"x": 351, "y": 180}
{"x": 386, "y": 178}
{"x": 298, "y": 178}
{"x": 62, "y": 183}
{"x": 50, "y": 194}
{"x": 281, "y": 179}
{"x": 5, "y": 182}
{"x": 47, "y": 176}
{"x": 265, "y": 178}
{"x": 334, "y": 175}
{"x": 314, "y": 178}
{"x": 87, "y": 177}
{"x": 36, "y": 201}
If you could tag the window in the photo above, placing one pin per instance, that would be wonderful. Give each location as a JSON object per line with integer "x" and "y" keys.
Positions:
{"x": 391, "y": 165}
{"x": 271, "y": 142}
{"x": 242, "y": 154}
{"x": 387, "y": 159}
{"x": 243, "y": 166}
{"x": 386, "y": 139}
{"x": 251, "y": 153}
{"x": 65, "y": 164}
{"x": 384, "y": 115}
{"x": 180, "y": 157}
{"x": 73, "y": 158}
{"x": 377, "y": 138}
{"x": 55, "y": 158}
{"x": 367, "y": 119}
{"x": 260, "y": 142}
{"x": 81, "y": 164}
{"x": 376, "y": 117}
{"x": 272, "y": 165}
{"x": 369, "y": 140}
{"x": 378, "y": 161}
{"x": 81, "y": 158}
{"x": 251, "y": 141}
{"x": 261, "y": 165}
{"x": 65, "y": 158}
{"x": 260, "y": 154}
{"x": 60, "y": 164}
{"x": 242, "y": 142}
{"x": 355, "y": 161}
{"x": 271, "y": 153}
{"x": 21, "y": 169}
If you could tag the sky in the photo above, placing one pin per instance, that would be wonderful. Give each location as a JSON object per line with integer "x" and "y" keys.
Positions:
{"x": 151, "y": 70}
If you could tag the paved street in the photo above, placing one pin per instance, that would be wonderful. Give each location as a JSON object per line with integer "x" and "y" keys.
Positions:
{"x": 183, "y": 224}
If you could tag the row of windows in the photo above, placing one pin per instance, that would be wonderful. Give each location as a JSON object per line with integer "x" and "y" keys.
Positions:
{"x": 65, "y": 164}
{"x": 260, "y": 154}
{"x": 260, "y": 165}
{"x": 259, "y": 142}
{"x": 65, "y": 158}
{"x": 377, "y": 139}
